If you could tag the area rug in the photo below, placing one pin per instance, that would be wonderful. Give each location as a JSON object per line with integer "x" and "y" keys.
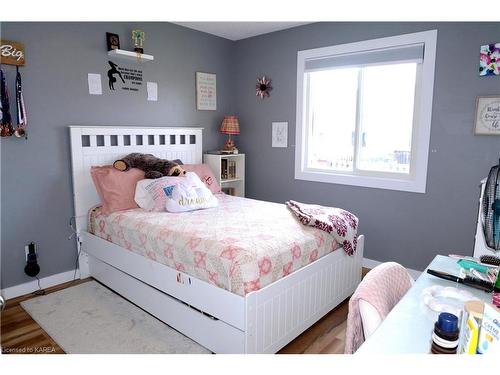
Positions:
{"x": 90, "y": 318}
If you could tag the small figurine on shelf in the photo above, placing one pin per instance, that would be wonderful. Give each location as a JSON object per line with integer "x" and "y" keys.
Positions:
{"x": 138, "y": 37}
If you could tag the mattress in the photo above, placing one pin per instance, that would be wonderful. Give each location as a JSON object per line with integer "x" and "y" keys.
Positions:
{"x": 241, "y": 245}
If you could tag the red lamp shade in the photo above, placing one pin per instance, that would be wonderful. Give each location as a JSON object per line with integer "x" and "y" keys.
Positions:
{"x": 230, "y": 125}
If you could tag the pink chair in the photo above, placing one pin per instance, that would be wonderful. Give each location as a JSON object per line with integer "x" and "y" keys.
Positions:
{"x": 376, "y": 295}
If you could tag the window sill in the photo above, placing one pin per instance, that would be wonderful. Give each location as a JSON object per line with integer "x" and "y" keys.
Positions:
{"x": 416, "y": 185}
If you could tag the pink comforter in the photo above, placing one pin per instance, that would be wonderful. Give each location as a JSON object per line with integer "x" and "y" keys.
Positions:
{"x": 242, "y": 245}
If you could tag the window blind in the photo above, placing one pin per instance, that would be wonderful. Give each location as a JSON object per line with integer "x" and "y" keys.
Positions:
{"x": 400, "y": 54}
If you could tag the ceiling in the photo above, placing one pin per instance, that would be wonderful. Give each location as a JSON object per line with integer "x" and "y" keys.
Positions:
{"x": 239, "y": 30}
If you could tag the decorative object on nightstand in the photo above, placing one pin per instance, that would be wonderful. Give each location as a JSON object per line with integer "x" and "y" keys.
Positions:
{"x": 263, "y": 87}
{"x": 229, "y": 170}
{"x": 230, "y": 126}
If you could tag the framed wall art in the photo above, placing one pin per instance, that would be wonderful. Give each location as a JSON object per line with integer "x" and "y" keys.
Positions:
{"x": 112, "y": 41}
{"x": 487, "y": 120}
{"x": 489, "y": 60}
{"x": 206, "y": 91}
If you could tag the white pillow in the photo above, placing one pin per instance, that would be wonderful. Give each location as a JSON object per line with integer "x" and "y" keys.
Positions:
{"x": 142, "y": 196}
{"x": 155, "y": 194}
{"x": 189, "y": 195}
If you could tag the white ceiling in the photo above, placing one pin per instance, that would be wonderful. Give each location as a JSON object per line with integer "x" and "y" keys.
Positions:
{"x": 239, "y": 30}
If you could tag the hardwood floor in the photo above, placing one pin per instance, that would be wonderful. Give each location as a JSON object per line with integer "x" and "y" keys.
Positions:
{"x": 20, "y": 334}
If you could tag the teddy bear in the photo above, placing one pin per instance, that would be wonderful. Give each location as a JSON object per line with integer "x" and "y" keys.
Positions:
{"x": 152, "y": 166}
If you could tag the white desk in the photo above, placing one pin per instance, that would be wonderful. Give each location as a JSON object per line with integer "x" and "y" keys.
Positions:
{"x": 408, "y": 327}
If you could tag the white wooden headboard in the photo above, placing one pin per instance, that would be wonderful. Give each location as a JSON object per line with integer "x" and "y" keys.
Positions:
{"x": 102, "y": 145}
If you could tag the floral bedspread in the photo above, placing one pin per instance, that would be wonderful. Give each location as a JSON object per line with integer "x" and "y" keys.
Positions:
{"x": 241, "y": 245}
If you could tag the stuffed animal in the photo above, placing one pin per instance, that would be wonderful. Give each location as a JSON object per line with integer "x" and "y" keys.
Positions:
{"x": 152, "y": 166}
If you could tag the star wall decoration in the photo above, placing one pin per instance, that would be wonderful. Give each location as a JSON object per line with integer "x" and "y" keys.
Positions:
{"x": 263, "y": 87}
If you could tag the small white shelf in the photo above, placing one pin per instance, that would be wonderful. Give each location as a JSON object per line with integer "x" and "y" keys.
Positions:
{"x": 130, "y": 55}
{"x": 237, "y": 183}
{"x": 230, "y": 180}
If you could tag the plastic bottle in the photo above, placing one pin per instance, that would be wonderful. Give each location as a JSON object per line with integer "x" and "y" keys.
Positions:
{"x": 445, "y": 335}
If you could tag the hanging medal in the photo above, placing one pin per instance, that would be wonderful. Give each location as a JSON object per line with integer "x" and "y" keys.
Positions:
{"x": 22, "y": 120}
{"x": 6, "y": 129}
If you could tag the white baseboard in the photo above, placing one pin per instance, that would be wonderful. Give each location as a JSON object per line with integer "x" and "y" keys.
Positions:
{"x": 369, "y": 263}
{"x": 46, "y": 282}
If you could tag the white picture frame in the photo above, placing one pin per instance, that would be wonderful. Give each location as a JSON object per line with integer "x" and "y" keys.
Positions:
{"x": 206, "y": 91}
{"x": 280, "y": 134}
{"x": 487, "y": 119}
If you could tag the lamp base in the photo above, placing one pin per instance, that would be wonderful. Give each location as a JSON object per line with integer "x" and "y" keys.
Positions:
{"x": 229, "y": 146}
{"x": 229, "y": 152}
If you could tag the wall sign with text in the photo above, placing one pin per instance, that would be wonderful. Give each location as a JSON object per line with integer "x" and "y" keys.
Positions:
{"x": 206, "y": 91}
{"x": 128, "y": 79}
{"x": 487, "y": 115}
{"x": 12, "y": 53}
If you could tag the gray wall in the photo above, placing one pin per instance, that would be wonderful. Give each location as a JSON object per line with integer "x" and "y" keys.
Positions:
{"x": 36, "y": 201}
{"x": 409, "y": 228}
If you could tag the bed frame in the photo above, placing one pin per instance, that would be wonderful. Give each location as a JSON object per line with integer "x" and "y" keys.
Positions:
{"x": 261, "y": 322}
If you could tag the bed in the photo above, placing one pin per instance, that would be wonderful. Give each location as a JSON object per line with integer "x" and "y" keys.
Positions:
{"x": 226, "y": 306}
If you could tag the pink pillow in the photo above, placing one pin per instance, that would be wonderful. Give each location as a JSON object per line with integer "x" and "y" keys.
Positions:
{"x": 205, "y": 174}
{"x": 115, "y": 188}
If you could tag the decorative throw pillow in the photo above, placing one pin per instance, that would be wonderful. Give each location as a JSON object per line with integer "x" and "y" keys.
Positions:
{"x": 205, "y": 174}
{"x": 156, "y": 194}
{"x": 150, "y": 193}
{"x": 189, "y": 195}
{"x": 115, "y": 188}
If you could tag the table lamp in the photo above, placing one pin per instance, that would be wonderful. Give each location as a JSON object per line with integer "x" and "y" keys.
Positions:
{"x": 231, "y": 126}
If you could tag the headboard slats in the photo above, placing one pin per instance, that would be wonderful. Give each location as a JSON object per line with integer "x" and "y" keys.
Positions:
{"x": 102, "y": 145}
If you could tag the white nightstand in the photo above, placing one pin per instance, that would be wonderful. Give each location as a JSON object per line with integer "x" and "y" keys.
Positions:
{"x": 229, "y": 170}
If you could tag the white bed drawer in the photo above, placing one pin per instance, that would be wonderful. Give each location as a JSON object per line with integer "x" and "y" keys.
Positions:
{"x": 215, "y": 301}
{"x": 213, "y": 334}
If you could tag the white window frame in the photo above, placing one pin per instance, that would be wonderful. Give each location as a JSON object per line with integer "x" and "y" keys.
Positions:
{"x": 416, "y": 180}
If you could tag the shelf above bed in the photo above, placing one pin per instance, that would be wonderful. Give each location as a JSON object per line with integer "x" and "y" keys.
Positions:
{"x": 130, "y": 55}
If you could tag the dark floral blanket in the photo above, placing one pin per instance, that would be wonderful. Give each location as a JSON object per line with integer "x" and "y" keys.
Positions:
{"x": 339, "y": 223}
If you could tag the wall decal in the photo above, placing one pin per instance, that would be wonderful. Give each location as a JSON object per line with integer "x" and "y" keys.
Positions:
{"x": 487, "y": 115}
{"x": 111, "y": 75}
{"x": 280, "y": 134}
{"x": 131, "y": 78}
{"x": 263, "y": 87}
{"x": 489, "y": 60}
{"x": 206, "y": 91}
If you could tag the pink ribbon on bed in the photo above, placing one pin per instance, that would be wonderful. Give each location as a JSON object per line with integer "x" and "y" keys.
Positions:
{"x": 340, "y": 224}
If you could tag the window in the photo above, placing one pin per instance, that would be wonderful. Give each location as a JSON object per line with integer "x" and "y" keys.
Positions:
{"x": 364, "y": 112}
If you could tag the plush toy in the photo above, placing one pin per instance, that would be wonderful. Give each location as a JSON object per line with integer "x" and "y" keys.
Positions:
{"x": 152, "y": 166}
